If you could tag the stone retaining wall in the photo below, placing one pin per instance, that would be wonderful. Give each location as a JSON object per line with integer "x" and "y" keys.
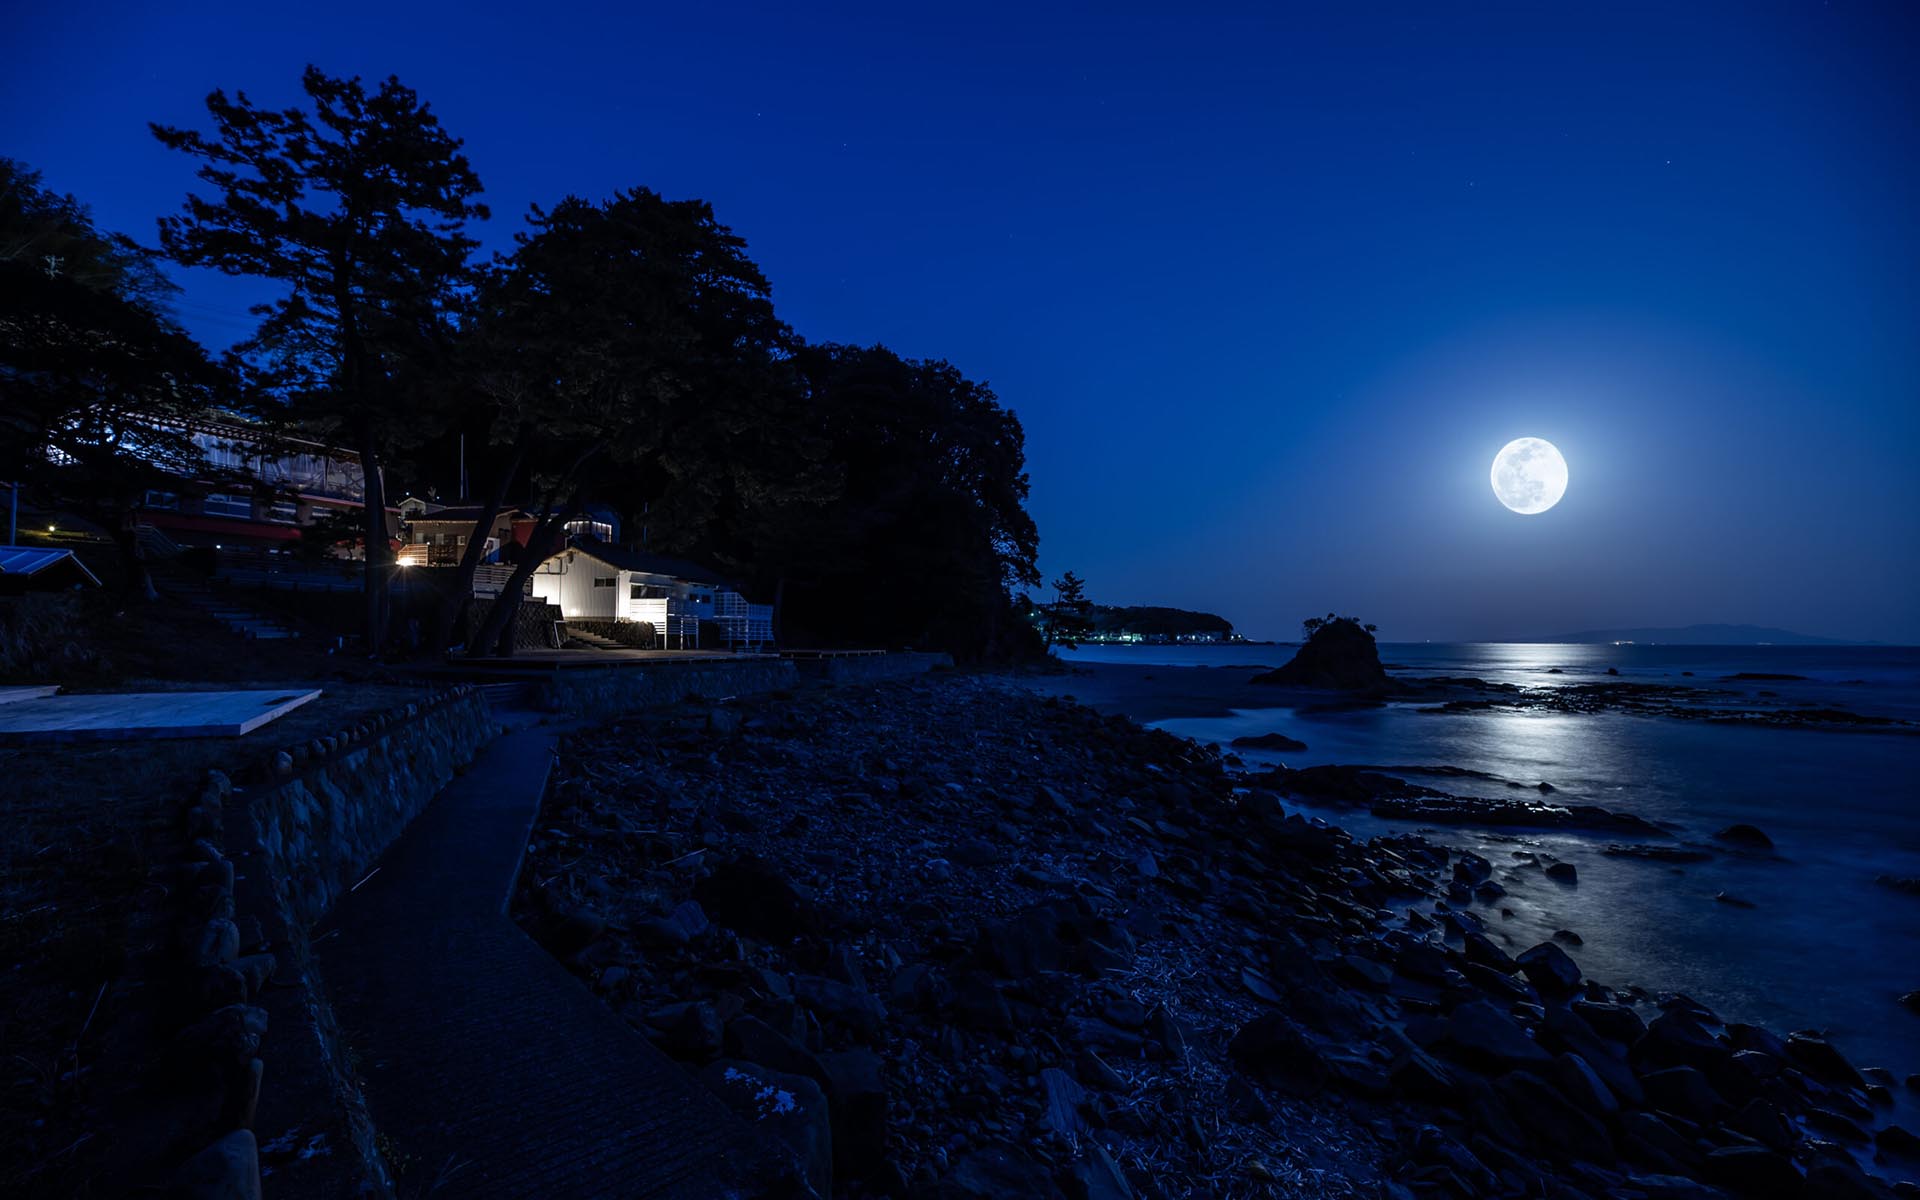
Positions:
{"x": 614, "y": 690}
{"x": 321, "y": 829}
{"x": 301, "y": 837}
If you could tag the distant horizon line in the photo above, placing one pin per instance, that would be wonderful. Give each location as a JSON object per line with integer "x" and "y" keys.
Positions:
{"x": 1821, "y": 644}
{"x": 1718, "y": 633}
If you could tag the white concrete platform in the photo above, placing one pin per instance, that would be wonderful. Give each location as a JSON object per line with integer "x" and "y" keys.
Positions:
{"x": 143, "y": 715}
{"x": 13, "y": 695}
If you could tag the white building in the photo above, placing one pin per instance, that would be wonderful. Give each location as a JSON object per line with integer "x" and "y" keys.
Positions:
{"x": 593, "y": 581}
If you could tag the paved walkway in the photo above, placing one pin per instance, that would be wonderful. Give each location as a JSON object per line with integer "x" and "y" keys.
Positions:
{"x": 486, "y": 1065}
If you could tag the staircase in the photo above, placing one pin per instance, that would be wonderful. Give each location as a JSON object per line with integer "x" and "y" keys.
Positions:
{"x": 190, "y": 589}
{"x": 154, "y": 546}
{"x": 592, "y": 641}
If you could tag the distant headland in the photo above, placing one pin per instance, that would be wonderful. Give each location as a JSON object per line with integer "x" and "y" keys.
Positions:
{"x": 1152, "y": 624}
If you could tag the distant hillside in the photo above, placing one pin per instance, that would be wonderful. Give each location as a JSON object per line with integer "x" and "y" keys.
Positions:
{"x": 1148, "y": 621}
{"x": 1698, "y": 635}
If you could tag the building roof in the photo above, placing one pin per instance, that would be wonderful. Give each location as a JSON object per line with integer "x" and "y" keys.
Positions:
{"x": 32, "y": 560}
{"x": 466, "y": 514}
{"x": 649, "y": 564}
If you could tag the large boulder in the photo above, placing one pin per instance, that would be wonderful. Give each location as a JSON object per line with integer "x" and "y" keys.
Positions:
{"x": 1744, "y": 837}
{"x": 758, "y": 1042}
{"x": 789, "y": 1107}
{"x": 1818, "y": 1058}
{"x": 1684, "y": 1092}
{"x": 1561, "y": 1127}
{"x": 1754, "y": 1171}
{"x": 1340, "y": 654}
{"x": 751, "y": 896}
{"x": 1484, "y": 1036}
{"x": 857, "y": 1010}
{"x": 229, "y": 1169}
{"x": 857, "y": 1095}
{"x": 1550, "y": 969}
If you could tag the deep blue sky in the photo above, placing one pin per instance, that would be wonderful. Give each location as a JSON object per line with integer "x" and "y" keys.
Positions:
{"x": 1268, "y": 289}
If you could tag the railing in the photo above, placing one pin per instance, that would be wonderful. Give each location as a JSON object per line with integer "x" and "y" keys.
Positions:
{"x": 490, "y": 579}
{"x": 742, "y": 624}
{"x": 150, "y": 544}
{"x": 678, "y": 628}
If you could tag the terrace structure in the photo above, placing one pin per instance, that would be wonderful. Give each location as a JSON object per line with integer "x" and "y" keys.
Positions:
{"x": 295, "y": 482}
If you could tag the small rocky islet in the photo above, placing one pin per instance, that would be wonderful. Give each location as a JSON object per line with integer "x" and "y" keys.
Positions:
{"x": 949, "y": 938}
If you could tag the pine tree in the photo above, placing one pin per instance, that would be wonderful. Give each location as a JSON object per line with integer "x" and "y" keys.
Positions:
{"x": 359, "y": 208}
{"x": 1069, "y": 618}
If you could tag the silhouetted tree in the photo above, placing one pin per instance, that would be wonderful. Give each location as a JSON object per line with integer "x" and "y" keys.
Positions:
{"x": 359, "y": 208}
{"x": 1069, "y": 617}
{"x": 98, "y": 382}
{"x": 626, "y": 348}
{"x": 929, "y": 529}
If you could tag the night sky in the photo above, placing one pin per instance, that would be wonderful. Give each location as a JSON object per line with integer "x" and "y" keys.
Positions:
{"x": 1268, "y": 290}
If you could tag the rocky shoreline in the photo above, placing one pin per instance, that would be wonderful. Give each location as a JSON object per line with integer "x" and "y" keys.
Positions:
{"x": 1674, "y": 701}
{"x": 950, "y": 938}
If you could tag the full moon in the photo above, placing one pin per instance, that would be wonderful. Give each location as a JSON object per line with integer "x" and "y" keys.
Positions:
{"x": 1529, "y": 476}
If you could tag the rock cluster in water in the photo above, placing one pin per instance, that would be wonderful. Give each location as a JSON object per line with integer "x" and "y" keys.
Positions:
{"x": 1341, "y": 654}
{"x": 944, "y": 938}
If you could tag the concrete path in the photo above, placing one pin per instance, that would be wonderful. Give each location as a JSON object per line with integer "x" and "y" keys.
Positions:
{"x": 489, "y": 1070}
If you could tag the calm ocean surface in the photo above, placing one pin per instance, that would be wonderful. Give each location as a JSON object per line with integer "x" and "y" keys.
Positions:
{"x": 1824, "y": 945}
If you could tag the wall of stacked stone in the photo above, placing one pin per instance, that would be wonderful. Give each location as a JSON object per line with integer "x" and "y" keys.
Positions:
{"x": 305, "y": 833}
{"x": 613, "y": 690}
{"x": 536, "y": 624}
{"x": 205, "y": 1083}
{"x": 340, "y": 801}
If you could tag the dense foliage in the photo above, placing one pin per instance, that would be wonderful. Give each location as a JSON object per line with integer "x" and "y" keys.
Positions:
{"x": 97, "y": 381}
{"x": 927, "y": 529}
{"x": 359, "y": 210}
{"x": 627, "y": 353}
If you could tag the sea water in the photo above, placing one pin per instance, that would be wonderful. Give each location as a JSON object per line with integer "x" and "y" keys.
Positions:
{"x": 1824, "y": 946}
